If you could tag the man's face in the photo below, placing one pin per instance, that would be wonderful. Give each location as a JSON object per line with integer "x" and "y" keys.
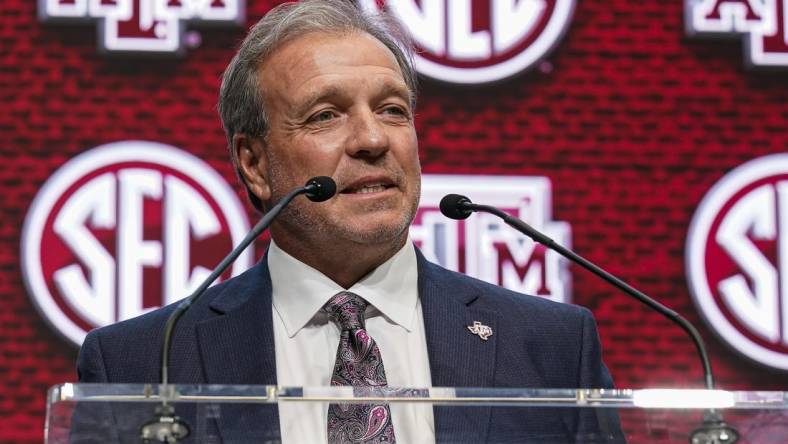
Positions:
{"x": 337, "y": 105}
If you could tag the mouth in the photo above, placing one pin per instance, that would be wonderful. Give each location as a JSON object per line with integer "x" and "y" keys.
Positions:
{"x": 368, "y": 186}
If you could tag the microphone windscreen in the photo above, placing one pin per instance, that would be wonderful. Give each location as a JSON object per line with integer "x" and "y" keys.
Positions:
{"x": 320, "y": 188}
{"x": 452, "y": 206}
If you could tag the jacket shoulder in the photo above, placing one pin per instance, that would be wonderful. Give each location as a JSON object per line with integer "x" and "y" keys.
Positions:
{"x": 130, "y": 350}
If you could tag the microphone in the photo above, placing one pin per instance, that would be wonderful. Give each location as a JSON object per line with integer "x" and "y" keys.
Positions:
{"x": 166, "y": 425}
{"x": 320, "y": 188}
{"x": 455, "y": 206}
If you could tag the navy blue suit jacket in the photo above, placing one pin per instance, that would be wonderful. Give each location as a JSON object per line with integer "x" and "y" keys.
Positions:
{"x": 227, "y": 338}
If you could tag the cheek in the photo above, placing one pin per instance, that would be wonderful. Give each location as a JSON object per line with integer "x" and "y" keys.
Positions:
{"x": 316, "y": 150}
{"x": 409, "y": 155}
{"x": 281, "y": 172}
{"x": 406, "y": 142}
{"x": 301, "y": 159}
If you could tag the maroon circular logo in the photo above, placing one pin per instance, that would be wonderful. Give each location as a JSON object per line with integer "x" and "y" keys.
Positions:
{"x": 465, "y": 41}
{"x": 737, "y": 259}
{"x": 123, "y": 229}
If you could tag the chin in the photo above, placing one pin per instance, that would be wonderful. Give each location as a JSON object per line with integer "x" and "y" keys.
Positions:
{"x": 370, "y": 233}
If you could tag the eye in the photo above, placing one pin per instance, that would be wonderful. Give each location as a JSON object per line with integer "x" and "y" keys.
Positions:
{"x": 322, "y": 116}
{"x": 395, "y": 110}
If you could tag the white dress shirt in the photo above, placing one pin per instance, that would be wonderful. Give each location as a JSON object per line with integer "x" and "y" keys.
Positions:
{"x": 306, "y": 340}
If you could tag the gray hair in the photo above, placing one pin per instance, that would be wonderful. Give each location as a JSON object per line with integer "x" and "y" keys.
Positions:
{"x": 241, "y": 105}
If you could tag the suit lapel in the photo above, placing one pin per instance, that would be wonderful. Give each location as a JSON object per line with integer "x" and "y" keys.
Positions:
{"x": 458, "y": 358}
{"x": 237, "y": 347}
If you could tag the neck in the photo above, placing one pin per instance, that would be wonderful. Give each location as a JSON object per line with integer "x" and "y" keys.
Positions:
{"x": 344, "y": 262}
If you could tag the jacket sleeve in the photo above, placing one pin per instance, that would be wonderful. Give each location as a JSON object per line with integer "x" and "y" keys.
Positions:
{"x": 593, "y": 372}
{"x": 90, "y": 362}
{"x": 91, "y": 421}
{"x": 599, "y": 424}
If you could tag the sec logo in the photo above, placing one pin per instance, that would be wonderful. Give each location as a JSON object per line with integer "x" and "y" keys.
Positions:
{"x": 465, "y": 41}
{"x": 123, "y": 229}
{"x": 737, "y": 259}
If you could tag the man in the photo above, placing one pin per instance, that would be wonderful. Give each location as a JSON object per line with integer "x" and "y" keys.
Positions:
{"x": 342, "y": 297}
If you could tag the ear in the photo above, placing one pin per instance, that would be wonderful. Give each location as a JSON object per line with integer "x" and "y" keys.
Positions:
{"x": 253, "y": 164}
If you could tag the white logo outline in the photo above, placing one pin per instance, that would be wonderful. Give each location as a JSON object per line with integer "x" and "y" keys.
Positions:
{"x": 548, "y": 39}
{"x": 695, "y": 266}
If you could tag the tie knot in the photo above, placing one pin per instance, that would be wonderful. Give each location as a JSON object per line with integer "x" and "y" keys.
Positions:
{"x": 347, "y": 309}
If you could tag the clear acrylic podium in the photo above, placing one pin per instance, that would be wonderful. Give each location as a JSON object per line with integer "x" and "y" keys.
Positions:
{"x": 87, "y": 413}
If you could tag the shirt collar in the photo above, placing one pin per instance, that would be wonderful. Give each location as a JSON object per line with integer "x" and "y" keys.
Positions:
{"x": 300, "y": 291}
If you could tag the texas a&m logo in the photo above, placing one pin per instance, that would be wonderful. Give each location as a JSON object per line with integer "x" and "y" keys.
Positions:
{"x": 737, "y": 259}
{"x": 473, "y": 41}
{"x": 485, "y": 247}
{"x": 763, "y": 24}
{"x": 148, "y": 26}
{"x": 125, "y": 228}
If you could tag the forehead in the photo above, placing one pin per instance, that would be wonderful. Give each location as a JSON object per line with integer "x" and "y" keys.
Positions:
{"x": 317, "y": 60}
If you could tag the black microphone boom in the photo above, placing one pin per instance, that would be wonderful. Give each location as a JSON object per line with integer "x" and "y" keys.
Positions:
{"x": 714, "y": 429}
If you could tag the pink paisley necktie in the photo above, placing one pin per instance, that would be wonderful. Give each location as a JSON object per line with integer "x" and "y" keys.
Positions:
{"x": 358, "y": 364}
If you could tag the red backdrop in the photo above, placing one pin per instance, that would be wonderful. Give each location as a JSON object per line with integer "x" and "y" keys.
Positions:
{"x": 631, "y": 120}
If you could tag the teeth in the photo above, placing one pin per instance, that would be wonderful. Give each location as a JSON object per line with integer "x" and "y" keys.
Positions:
{"x": 370, "y": 189}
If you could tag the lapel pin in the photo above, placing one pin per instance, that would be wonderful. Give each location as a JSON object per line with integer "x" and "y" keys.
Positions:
{"x": 481, "y": 330}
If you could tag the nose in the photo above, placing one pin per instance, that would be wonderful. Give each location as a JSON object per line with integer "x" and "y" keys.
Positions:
{"x": 369, "y": 138}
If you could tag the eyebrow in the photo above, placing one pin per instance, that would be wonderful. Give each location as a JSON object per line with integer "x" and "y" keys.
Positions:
{"x": 317, "y": 97}
{"x": 399, "y": 90}
{"x": 333, "y": 91}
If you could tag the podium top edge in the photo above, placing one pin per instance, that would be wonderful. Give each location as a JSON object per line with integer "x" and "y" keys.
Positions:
{"x": 646, "y": 398}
